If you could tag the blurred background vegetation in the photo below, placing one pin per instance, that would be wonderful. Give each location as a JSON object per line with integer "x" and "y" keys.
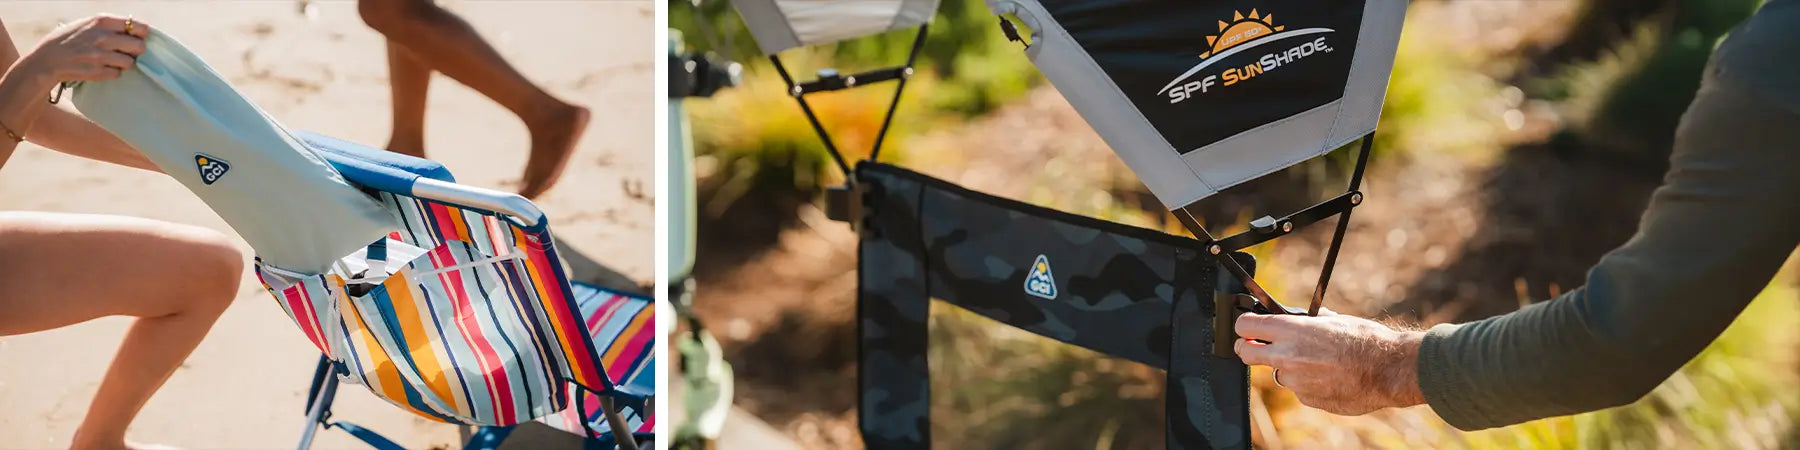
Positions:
{"x": 1518, "y": 144}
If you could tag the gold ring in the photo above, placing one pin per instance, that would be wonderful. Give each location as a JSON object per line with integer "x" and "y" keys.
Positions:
{"x": 130, "y": 22}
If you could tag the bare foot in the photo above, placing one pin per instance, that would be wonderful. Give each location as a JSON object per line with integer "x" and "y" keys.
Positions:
{"x": 116, "y": 444}
{"x": 552, "y": 142}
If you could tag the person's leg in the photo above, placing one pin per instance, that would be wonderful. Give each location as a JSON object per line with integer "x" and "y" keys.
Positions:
{"x": 445, "y": 43}
{"x": 61, "y": 269}
{"x": 409, "y": 79}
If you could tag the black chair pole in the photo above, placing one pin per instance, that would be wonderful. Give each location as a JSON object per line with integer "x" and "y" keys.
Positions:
{"x": 899, "y": 87}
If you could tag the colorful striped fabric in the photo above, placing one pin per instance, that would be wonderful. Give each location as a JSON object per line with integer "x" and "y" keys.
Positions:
{"x": 625, "y": 327}
{"x": 633, "y": 409}
{"x": 467, "y": 319}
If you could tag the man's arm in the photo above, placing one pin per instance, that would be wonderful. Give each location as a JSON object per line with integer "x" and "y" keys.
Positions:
{"x": 1726, "y": 218}
{"x": 1712, "y": 237}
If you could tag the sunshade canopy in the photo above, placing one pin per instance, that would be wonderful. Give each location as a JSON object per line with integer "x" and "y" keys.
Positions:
{"x": 281, "y": 196}
{"x": 1200, "y": 95}
{"x": 783, "y": 24}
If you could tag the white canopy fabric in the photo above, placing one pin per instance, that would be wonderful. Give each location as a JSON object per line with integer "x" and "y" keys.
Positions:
{"x": 1199, "y": 95}
{"x": 783, "y": 24}
{"x": 293, "y": 207}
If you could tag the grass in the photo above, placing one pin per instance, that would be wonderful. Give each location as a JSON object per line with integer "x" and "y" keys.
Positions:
{"x": 1626, "y": 103}
{"x": 1436, "y": 103}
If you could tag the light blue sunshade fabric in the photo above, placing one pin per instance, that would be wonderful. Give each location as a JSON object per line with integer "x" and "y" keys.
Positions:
{"x": 293, "y": 208}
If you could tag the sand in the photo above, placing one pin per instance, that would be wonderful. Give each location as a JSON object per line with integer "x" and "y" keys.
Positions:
{"x": 244, "y": 386}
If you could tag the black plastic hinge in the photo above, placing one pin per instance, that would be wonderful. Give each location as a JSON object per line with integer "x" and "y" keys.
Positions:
{"x": 1011, "y": 32}
{"x": 845, "y": 204}
{"x": 831, "y": 80}
{"x": 1226, "y": 308}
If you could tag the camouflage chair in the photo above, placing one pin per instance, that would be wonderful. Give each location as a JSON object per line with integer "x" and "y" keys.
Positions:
{"x": 1194, "y": 96}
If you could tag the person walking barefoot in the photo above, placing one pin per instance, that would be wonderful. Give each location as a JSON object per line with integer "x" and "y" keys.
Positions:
{"x": 421, "y": 38}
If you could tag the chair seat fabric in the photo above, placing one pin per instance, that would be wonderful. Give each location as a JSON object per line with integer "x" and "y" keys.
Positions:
{"x": 452, "y": 331}
{"x": 624, "y": 330}
{"x": 460, "y": 315}
{"x": 1132, "y": 293}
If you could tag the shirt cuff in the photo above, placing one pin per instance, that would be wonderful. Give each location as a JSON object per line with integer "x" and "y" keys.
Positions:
{"x": 1440, "y": 382}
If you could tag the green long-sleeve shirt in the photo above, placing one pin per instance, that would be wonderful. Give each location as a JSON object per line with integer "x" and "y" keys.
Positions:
{"x": 1725, "y": 219}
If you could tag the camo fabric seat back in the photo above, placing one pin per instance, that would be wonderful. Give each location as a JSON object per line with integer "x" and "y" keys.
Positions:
{"x": 1128, "y": 292}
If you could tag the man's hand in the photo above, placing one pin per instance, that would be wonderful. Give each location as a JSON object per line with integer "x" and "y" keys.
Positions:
{"x": 1338, "y": 363}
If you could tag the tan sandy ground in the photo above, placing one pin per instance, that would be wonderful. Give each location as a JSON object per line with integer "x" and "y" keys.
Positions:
{"x": 243, "y": 387}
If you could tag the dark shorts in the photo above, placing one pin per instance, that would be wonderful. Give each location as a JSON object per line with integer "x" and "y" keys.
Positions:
{"x": 1128, "y": 292}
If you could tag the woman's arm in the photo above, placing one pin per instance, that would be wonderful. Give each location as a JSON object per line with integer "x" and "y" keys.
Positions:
{"x": 70, "y": 133}
{"x": 19, "y": 105}
{"x": 27, "y": 81}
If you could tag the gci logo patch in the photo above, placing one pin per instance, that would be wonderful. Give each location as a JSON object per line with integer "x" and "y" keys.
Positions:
{"x": 211, "y": 169}
{"x": 1039, "y": 282}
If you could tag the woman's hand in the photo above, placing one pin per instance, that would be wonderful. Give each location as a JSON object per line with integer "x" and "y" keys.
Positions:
{"x": 92, "y": 49}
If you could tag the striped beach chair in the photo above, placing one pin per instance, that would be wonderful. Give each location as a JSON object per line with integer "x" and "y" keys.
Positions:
{"x": 465, "y": 315}
{"x": 446, "y": 300}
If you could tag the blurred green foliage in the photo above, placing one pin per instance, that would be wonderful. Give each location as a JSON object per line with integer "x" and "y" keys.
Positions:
{"x": 757, "y": 143}
{"x": 963, "y": 46}
{"x": 1626, "y": 103}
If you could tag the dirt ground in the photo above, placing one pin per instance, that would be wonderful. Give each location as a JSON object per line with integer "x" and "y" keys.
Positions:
{"x": 244, "y": 386}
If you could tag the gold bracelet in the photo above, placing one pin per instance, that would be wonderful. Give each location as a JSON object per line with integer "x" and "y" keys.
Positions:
{"x": 16, "y": 137}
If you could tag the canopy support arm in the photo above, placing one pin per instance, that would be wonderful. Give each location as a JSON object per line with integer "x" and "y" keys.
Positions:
{"x": 831, "y": 81}
{"x": 894, "y": 105}
{"x": 1188, "y": 219}
{"x": 1343, "y": 224}
{"x": 818, "y": 128}
{"x": 1282, "y": 227}
{"x": 1263, "y": 230}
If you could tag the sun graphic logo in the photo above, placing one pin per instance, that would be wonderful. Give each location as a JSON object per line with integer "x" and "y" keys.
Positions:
{"x": 1240, "y": 30}
{"x": 1243, "y": 33}
{"x": 1039, "y": 282}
